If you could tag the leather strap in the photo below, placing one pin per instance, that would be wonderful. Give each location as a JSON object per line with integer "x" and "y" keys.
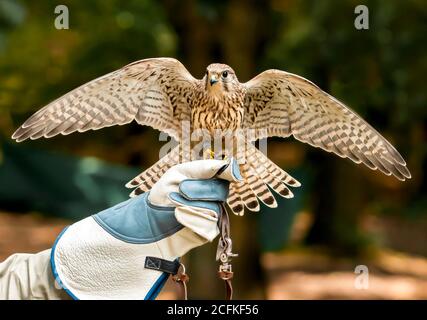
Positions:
{"x": 181, "y": 279}
{"x": 227, "y": 276}
{"x": 163, "y": 265}
{"x": 172, "y": 267}
{"x": 228, "y": 290}
{"x": 224, "y": 253}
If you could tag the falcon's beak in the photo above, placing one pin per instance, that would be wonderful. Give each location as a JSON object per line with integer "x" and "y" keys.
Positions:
{"x": 213, "y": 80}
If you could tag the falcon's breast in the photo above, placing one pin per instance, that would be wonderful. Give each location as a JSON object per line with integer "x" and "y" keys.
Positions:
{"x": 223, "y": 113}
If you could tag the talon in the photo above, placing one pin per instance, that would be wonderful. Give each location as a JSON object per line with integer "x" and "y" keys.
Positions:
{"x": 209, "y": 154}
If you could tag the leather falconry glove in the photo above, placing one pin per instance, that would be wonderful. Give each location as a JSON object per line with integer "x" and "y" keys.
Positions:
{"x": 128, "y": 251}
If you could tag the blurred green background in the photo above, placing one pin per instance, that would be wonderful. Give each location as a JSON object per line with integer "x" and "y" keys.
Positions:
{"x": 379, "y": 72}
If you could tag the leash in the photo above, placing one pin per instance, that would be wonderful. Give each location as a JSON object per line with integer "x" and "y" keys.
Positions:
{"x": 224, "y": 252}
{"x": 181, "y": 279}
{"x": 224, "y": 255}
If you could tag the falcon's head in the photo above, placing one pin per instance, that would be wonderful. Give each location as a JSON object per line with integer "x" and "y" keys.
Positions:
{"x": 220, "y": 79}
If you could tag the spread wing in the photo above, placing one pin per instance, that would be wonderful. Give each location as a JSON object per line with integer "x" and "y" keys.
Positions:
{"x": 281, "y": 104}
{"x": 154, "y": 92}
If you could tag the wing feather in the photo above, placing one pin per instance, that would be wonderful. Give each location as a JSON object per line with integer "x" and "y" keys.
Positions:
{"x": 153, "y": 92}
{"x": 281, "y": 104}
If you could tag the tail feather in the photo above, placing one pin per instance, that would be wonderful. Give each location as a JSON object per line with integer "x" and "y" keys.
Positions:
{"x": 234, "y": 201}
{"x": 274, "y": 184}
{"x": 257, "y": 181}
{"x": 247, "y": 194}
{"x": 277, "y": 172}
{"x": 274, "y": 177}
{"x": 144, "y": 181}
{"x": 258, "y": 171}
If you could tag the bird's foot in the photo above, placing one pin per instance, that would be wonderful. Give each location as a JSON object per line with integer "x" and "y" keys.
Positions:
{"x": 208, "y": 154}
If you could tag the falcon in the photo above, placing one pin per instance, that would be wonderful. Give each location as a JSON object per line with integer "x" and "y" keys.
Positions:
{"x": 161, "y": 93}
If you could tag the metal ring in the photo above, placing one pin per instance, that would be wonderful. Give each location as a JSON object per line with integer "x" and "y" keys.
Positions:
{"x": 181, "y": 265}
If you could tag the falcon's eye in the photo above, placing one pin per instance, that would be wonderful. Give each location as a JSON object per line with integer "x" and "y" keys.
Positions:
{"x": 225, "y": 74}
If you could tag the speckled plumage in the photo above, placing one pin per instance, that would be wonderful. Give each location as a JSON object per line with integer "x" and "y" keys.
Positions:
{"x": 161, "y": 93}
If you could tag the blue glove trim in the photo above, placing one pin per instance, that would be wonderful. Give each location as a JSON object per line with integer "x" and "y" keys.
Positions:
{"x": 137, "y": 221}
{"x": 53, "y": 267}
{"x": 157, "y": 287}
{"x": 214, "y": 206}
{"x": 160, "y": 282}
{"x": 235, "y": 170}
{"x": 208, "y": 190}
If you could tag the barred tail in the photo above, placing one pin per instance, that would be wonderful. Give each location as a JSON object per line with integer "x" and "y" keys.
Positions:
{"x": 259, "y": 173}
{"x": 144, "y": 181}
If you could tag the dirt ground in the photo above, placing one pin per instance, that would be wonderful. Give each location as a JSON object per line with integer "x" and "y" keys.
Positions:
{"x": 290, "y": 275}
{"x": 310, "y": 275}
